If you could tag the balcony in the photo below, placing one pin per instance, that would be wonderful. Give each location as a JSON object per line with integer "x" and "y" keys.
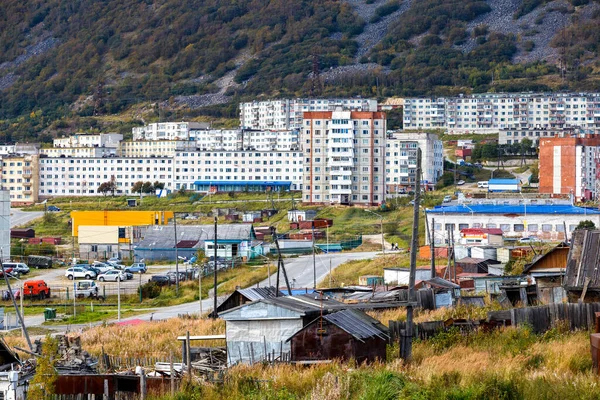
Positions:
{"x": 340, "y": 191}
{"x": 334, "y": 154}
{"x": 27, "y": 175}
{"x": 340, "y": 181}
{"x": 341, "y": 162}
{"x": 27, "y": 184}
{"x": 27, "y": 192}
{"x": 341, "y": 172}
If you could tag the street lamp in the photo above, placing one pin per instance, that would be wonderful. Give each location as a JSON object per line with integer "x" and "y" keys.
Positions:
{"x": 381, "y": 222}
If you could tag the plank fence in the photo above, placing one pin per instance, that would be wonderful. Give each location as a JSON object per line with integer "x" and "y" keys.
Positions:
{"x": 540, "y": 318}
{"x": 108, "y": 362}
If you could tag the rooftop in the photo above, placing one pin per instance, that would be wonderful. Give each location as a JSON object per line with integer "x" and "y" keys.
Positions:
{"x": 514, "y": 209}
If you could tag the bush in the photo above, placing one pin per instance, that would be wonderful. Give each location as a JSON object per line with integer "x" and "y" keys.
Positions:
{"x": 151, "y": 290}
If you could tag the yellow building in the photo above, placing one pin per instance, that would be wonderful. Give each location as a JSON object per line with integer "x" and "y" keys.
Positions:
{"x": 20, "y": 175}
{"x": 122, "y": 219}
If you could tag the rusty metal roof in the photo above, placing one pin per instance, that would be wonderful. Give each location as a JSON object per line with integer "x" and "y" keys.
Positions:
{"x": 358, "y": 324}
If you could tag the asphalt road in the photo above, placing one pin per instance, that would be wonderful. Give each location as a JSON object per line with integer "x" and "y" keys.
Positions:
{"x": 20, "y": 217}
{"x": 300, "y": 272}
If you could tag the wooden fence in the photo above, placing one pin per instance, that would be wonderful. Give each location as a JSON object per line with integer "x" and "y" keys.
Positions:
{"x": 539, "y": 318}
{"x": 108, "y": 362}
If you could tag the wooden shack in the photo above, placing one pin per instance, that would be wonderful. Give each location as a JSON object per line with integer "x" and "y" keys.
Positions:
{"x": 582, "y": 281}
{"x": 19, "y": 233}
{"x": 343, "y": 335}
{"x": 548, "y": 270}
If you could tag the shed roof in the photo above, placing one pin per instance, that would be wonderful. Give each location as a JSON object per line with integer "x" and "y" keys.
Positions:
{"x": 540, "y": 261}
{"x": 258, "y": 293}
{"x": 354, "y": 322}
{"x": 163, "y": 237}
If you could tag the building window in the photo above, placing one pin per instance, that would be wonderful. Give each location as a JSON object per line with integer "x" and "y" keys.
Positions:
{"x": 518, "y": 228}
{"x": 532, "y": 227}
{"x": 546, "y": 228}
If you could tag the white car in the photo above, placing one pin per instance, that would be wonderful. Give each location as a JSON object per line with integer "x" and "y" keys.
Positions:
{"x": 114, "y": 260}
{"x": 113, "y": 275}
{"x": 461, "y": 182}
{"x": 79, "y": 272}
{"x": 447, "y": 199}
{"x": 102, "y": 266}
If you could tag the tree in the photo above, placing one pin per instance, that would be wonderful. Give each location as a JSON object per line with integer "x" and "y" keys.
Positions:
{"x": 147, "y": 188}
{"x": 42, "y": 386}
{"x": 586, "y": 224}
{"x": 137, "y": 187}
{"x": 106, "y": 188}
{"x": 159, "y": 185}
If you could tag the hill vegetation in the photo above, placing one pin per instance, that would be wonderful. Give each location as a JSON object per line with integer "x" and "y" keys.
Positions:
{"x": 67, "y": 65}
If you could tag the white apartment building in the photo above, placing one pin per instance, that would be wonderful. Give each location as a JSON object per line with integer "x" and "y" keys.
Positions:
{"x": 490, "y": 112}
{"x": 87, "y": 140}
{"x": 243, "y": 139}
{"x": 208, "y": 171}
{"x": 6, "y": 149}
{"x": 287, "y": 114}
{"x": 82, "y": 176}
{"x": 5, "y": 225}
{"x": 514, "y": 136}
{"x": 154, "y": 148}
{"x": 78, "y": 151}
{"x": 20, "y": 177}
{"x": 344, "y": 157}
{"x": 169, "y": 131}
{"x": 401, "y": 161}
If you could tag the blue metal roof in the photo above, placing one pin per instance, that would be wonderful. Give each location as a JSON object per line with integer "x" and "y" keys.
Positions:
{"x": 514, "y": 209}
{"x": 503, "y": 182}
{"x": 261, "y": 183}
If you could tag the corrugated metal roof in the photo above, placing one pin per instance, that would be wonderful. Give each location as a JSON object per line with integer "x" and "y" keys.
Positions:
{"x": 357, "y": 324}
{"x": 437, "y": 281}
{"x": 514, "y": 209}
{"x": 254, "y": 294}
{"x": 163, "y": 237}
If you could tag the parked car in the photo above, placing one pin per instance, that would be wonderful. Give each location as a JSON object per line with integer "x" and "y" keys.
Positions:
{"x": 137, "y": 268}
{"x": 114, "y": 260}
{"x": 87, "y": 288}
{"x": 530, "y": 239}
{"x": 79, "y": 272}
{"x": 112, "y": 276}
{"x": 53, "y": 208}
{"x": 92, "y": 269}
{"x": 39, "y": 262}
{"x": 172, "y": 276}
{"x": 36, "y": 289}
{"x": 128, "y": 275}
{"x": 447, "y": 199}
{"x": 102, "y": 267}
{"x": 160, "y": 280}
{"x": 461, "y": 182}
{"x": 9, "y": 272}
{"x": 18, "y": 267}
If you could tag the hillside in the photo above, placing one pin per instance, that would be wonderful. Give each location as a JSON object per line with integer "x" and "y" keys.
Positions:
{"x": 64, "y": 62}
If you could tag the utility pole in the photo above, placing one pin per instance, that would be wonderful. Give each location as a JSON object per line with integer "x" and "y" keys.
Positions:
{"x": 431, "y": 233}
{"x": 314, "y": 259}
{"x": 12, "y": 297}
{"x": 119, "y": 297}
{"x": 176, "y": 255}
{"x": 406, "y": 346}
{"x": 215, "y": 273}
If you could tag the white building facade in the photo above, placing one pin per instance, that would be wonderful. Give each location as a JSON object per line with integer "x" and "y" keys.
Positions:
{"x": 491, "y": 112}
{"x": 168, "y": 130}
{"x": 344, "y": 157}
{"x": 87, "y": 140}
{"x": 82, "y": 176}
{"x": 288, "y": 113}
{"x": 401, "y": 161}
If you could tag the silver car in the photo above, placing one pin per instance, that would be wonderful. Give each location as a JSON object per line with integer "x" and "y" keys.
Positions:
{"x": 112, "y": 276}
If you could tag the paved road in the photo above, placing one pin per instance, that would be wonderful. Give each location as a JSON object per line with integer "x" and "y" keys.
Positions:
{"x": 20, "y": 217}
{"x": 300, "y": 272}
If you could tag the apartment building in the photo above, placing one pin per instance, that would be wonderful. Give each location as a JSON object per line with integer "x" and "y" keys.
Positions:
{"x": 491, "y": 112}
{"x": 401, "y": 161}
{"x": 78, "y": 151}
{"x": 514, "y": 136}
{"x": 169, "y": 131}
{"x": 570, "y": 165}
{"x": 20, "y": 175}
{"x": 5, "y": 225}
{"x": 61, "y": 176}
{"x": 344, "y": 157}
{"x": 245, "y": 139}
{"x": 208, "y": 171}
{"x": 87, "y": 140}
{"x": 287, "y": 114}
{"x": 154, "y": 148}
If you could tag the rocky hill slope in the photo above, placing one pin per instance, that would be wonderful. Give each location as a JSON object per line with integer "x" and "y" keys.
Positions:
{"x": 79, "y": 59}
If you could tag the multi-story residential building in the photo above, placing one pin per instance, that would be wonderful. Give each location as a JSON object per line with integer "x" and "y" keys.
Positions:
{"x": 59, "y": 176}
{"x": 20, "y": 175}
{"x": 6, "y": 149}
{"x": 491, "y": 112}
{"x": 570, "y": 165}
{"x": 154, "y": 148}
{"x": 87, "y": 140}
{"x": 208, "y": 171}
{"x": 169, "y": 131}
{"x": 344, "y": 157}
{"x": 242, "y": 139}
{"x": 401, "y": 161}
{"x": 78, "y": 151}
{"x": 287, "y": 114}
{"x": 513, "y": 136}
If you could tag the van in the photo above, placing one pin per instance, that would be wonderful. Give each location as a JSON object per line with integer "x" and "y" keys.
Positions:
{"x": 482, "y": 184}
{"x": 39, "y": 262}
{"x": 36, "y": 288}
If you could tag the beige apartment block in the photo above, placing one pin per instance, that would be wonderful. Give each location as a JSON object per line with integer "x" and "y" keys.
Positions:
{"x": 20, "y": 176}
